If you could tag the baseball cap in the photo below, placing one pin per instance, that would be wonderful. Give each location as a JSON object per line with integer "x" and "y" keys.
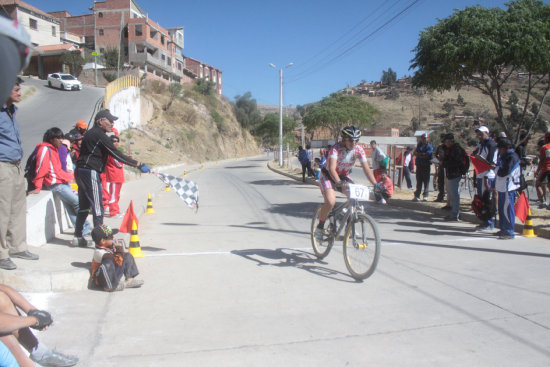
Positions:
{"x": 424, "y": 135}
{"x": 502, "y": 134}
{"x": 101, "y": 232}
{"x": 74, "y": 136}
{"x": 504, "y": 143}
{"x": 81, "y": 124}
{"x": 449, "y": 137}
{"x": 483, "y": 129}
{"x": 105, "y": 114}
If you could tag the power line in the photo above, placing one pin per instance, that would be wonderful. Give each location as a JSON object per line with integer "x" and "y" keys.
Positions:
{"x": 303, "y": 74}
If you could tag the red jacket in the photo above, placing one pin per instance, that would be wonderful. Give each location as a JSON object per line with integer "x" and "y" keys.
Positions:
{"x": 48, "y": 167}
{"x": 113, "y": 170}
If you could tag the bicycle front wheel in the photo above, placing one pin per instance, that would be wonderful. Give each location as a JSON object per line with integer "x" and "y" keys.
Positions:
{"x": 361, "y": 246}
{"x": 321, "y": 248}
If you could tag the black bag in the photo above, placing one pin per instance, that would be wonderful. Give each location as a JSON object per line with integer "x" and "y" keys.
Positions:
{"x": 30, "y": 170}
{"x": 485, "y": 207}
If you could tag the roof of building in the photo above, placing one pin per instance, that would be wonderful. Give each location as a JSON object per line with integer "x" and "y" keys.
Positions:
{"x": 56, "y": 49}
{"x": 23, "y": 4}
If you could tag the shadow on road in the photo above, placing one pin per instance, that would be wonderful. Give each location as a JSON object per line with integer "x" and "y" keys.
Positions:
{"x": 300, "y": 210}
{"x": 178, "y": 224}
{"x": 278, "y": 230}
{"x": 232, "y": 167}
{"x": 275, "y": 182}
{"x": 286, "y": 257}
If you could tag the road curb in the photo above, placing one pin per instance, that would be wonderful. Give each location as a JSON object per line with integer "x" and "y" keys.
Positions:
{"x": 419, "y": 206}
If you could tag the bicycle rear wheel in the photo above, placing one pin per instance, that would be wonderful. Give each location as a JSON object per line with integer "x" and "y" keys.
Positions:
{"x": 322, "y": 248}
{"x": 361, "y": 246}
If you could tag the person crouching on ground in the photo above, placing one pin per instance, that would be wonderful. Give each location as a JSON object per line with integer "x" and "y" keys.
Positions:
{"x": 110, "y": 263}
{"x": 383, "y": 190}
{"x": 507, "y": 182}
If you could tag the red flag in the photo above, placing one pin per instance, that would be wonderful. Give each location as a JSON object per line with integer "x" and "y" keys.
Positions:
{"x": 522, "y": 208}
{"x": 479, "y": 165}
{"x": 126, "y": 225}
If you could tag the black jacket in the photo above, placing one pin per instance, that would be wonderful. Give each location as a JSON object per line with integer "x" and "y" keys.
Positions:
{"x": 96, "y": 147}
{"x": 453, "y": 161}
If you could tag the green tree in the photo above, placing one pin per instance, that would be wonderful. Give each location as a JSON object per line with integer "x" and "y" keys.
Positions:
{"x": 388, "y": 77}
{"x": 338, "y": 110}
{"x": 110, "y": 57}
{"x": 175, "y": 90}
{"x": 268, "y": 129}
{"x": 75, "y": 61}
{"x": 204, "y": 87}
{"x": 448, "y": 107}
{"x": 483, "y": 48}
{"x": 246, "y": 111}
{"x": 460, "y": 100}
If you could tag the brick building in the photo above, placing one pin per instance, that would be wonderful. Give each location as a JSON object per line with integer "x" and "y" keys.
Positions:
{"x": 157, "y": 51}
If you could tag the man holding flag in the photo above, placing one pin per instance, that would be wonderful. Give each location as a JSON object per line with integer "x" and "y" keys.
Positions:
{"x": 487, "y": 153}
{"x": 507, "y": 182}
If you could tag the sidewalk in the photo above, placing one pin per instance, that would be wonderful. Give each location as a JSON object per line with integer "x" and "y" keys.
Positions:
{"x": 65, "y": 268}
{"x": 402, "y": 199}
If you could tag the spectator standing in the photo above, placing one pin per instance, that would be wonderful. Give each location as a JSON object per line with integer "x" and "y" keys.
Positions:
{"x": 543, "y": 172}
{"x": 96, "y": 147}
{"x": 15, "y": 331}
{"x": 521, "y": 151}
{"x": 453, "y": 166}
{"x": 378, "y": 158}
{"x": 407, "y": 166}
{"x": 305, "y": 162}
{"x": 114, "y": 171}
{"x": 486, "y": 151}
{"x": 50, "y": 176}
{"x": 439, "y": 153}
{"x": 110, "y": 263}
{"x": 423, "y": 154}
{"x": 13, "y": 202}
{"x": 507, "y": 182}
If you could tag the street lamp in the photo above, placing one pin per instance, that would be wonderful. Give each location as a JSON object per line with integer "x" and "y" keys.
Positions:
{"x": 281, "y": 110}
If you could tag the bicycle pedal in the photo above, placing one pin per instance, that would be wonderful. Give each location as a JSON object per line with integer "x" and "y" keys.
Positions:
{"x": 362, "y": 246}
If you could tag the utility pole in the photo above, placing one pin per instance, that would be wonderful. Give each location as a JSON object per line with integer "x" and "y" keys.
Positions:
{"x": 281, "y": 111}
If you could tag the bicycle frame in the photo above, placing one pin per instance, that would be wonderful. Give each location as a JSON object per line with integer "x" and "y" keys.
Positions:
{"x": 353, "y": 207}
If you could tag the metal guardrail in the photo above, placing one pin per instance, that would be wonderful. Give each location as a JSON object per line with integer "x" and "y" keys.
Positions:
{"x": 118, "y": 85}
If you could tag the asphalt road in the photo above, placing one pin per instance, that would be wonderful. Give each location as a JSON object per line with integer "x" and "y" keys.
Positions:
{"x": 236, "y": 284}
{"x": 50, "y": 107}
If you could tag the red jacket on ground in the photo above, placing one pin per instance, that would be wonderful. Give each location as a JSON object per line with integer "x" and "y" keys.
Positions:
{"x": 48, "y": 167}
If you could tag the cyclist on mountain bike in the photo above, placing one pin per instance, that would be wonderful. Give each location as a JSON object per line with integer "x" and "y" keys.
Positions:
{"x": 335, "y": 174}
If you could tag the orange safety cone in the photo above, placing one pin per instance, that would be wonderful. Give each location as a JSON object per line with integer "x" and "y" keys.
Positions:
{"x": 135, "y": 248}
{"x": 150, "y": 209}
{"x": 528, "y": 226}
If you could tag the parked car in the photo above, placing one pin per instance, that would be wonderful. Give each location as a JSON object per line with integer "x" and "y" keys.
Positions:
{"x": 64, "y": 81}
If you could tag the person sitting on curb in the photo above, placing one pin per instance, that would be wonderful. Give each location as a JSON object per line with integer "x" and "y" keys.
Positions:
{"x": 110, "y": 262}
{"x": 15, "y": 332}
{"x": 383, "y": 190}
{"x": 50, "y": 176}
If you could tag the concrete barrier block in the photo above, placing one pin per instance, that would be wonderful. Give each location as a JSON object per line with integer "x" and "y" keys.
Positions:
{"x": 46, "y": 218}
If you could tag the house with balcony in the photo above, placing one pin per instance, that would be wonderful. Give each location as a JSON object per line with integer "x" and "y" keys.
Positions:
{"x": 45, "y": 34}
{"x": 155, "y": 50}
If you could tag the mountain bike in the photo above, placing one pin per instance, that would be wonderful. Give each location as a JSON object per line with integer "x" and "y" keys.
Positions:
{"x": 361, "y": 241}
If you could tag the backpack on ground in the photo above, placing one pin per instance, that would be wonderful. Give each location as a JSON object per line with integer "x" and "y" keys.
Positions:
{"x": 30, "y": 170}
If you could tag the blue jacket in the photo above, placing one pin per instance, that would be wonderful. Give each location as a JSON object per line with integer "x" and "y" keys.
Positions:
{"x": 10, "y": 141}
{"x": 428, "y": 149}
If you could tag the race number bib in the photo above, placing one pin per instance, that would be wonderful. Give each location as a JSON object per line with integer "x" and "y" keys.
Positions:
{"x": 359, "y": 192}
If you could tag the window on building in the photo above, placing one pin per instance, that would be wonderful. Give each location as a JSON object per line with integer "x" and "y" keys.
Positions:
{"x": 138, "y": 30}
{"x": 53, "y": 31}
{"x": 125, "y": 32}
{"x": 101, "y": 32}
{"x": 33, "y": 23}
{"x": 163, "y": 57}
{"x": 100, "y": 14}
{"x": 179, "y": 66}
{"x": 169, "y": 61}
{"x": 162, "y": 39}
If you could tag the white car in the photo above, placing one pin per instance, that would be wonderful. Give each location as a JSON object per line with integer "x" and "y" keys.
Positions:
{"x": 64, "y": 81}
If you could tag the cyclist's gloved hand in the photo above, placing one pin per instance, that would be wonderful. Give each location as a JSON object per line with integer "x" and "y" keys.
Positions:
{"x": 144, "y": 168}
{"x": 339, "y": 183}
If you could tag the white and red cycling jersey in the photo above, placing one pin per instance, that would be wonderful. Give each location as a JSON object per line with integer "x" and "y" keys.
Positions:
{"x": 345, "y": 160}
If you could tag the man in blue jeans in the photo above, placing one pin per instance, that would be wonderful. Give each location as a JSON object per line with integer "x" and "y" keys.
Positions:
{"x": 453, "y": 164}
{"x": 50, "y": 176}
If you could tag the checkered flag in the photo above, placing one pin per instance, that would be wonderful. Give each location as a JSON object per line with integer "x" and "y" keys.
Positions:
{"x": 186, "y": 189}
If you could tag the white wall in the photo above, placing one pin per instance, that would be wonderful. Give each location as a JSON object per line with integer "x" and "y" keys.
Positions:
{"x": 126, "y": 106}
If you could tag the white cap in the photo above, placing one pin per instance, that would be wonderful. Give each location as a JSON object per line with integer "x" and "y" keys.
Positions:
{"x": 502, "y": 134}
{"x": 483, "y": 129}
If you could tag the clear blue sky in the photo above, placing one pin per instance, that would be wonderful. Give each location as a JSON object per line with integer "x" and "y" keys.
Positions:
{"x": 242, "y": 37}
